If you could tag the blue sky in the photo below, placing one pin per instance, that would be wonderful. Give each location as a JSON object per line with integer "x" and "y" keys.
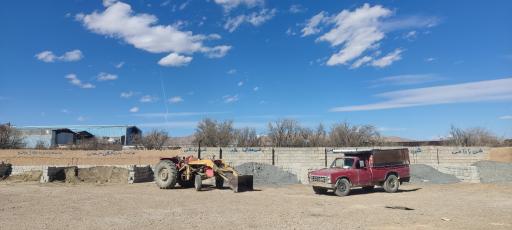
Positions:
{"x": 411, "y": 68}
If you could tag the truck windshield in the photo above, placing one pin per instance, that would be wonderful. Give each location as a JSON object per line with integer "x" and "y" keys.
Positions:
{"x": 343, "y": 163}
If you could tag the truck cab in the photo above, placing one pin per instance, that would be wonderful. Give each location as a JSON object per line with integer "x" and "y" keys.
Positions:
{"x": 365, "y": 169}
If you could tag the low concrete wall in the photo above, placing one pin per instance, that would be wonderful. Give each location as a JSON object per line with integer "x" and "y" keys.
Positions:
{"x": 297, "y": 161}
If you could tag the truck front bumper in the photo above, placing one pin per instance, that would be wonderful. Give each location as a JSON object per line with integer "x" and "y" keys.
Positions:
{"x": 321, "y": 184}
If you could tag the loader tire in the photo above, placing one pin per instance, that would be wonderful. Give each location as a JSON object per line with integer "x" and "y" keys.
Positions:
{"x": 166, "y": 174}
{"x": 185, "y": 183}
{"x": 219, "y": 182}
{"x": 198, "y": 182}
{"x": 391, "y": 184}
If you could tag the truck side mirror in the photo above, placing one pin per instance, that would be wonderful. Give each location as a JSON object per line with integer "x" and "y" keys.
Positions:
{"x": 361, "y": 164}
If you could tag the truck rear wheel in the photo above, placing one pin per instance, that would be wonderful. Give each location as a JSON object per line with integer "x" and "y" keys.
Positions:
{"x": 342, "y": 187}
{"x": 319, "y": 190}
{"x": 166, "y": 174}
{"x": 391, "y": 184}
{"x": 198, "y": 182}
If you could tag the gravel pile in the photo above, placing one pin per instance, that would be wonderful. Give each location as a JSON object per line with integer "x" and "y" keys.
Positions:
{"x": 494, "y": 172}
{"x": 421, "y": 173}
{"x": 265, "y": 174}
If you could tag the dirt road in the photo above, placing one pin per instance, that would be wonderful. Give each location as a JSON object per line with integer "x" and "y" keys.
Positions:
{"x": 143, "y": 206}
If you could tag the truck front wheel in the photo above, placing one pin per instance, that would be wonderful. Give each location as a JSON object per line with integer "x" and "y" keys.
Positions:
{"x": 391, "y": 184}
{"x": 342, "y": 187}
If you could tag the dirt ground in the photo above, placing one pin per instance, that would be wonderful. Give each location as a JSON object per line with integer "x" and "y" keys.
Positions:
{"x": 30, "y": 205}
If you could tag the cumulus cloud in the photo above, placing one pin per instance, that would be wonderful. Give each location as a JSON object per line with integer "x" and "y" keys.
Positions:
{"x": 176, "y": 99}
{"x": 480, "y": 91}
{"x": 70, "y": 56}
{"x": 231, "y": 4}
{"x": 106, "y": 77}
{"x": 127, "y": 94}
{"x": 313, "y": 24}
{"x": 120, "y": 65}
{"x": 240, "y": 83}
{"x": 73, "y": 79}
{"x": 255, "y": 19}
{"x": 230, "y": 98}
{"x": 141, "y": 30}
{"x": 175, "y": 59}
{"x": 360, "y": 31}
{"x": 134, "y": 109}
{"x": 296, "y": 8}
{"x": 148, "y": 99}
{"x": 388, "y": 59}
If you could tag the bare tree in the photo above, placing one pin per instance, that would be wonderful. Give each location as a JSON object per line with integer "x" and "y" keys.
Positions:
{"x": 282, "y": 132}
{"x": 214, "y": 134}
{"x": 319, "y": 137}
{"x": 247, "y": 137}
{"x": 10, "y": 137}
{"x": 476, "y": 136}
{"x": 345, "y": 134}
{"x": 155, "y": 139}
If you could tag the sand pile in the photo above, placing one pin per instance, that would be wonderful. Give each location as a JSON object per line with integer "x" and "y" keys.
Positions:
{"x": 421, "y": 173}
{"x": 265, "y": 174}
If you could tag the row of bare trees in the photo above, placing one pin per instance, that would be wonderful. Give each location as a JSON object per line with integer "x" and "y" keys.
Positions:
{"x": 10, "y": 138}
{"x": 285, "y": 133}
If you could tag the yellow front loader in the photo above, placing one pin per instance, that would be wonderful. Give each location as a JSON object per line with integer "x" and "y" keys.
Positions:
{"x": 190, "y": 171}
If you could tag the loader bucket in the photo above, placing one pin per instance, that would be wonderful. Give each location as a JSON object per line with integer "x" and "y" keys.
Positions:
{"x": 241, "y": 183}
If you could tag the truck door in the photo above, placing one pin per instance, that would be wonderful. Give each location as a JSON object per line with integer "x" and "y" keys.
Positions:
{"x": 363, "y": 172}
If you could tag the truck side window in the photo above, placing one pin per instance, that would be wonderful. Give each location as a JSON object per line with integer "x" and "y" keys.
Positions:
{"x": 361, "y": 164}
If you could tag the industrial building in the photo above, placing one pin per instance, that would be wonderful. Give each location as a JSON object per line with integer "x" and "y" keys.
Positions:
{"x": 54, "y": 136}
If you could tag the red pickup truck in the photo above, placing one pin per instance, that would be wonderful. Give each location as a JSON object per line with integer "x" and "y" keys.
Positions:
{"x": 387, "y": 168}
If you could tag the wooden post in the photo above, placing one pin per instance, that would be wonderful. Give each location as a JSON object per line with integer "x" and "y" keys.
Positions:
{"x": 273, "y": 157}
{"x": 220, "y": 153}
{"x": 437, "y": 152}
{"x": 199, "y": 151}
{"x": 325, "y": 157}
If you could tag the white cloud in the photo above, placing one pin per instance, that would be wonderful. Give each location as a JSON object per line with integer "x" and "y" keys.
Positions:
{"x": 255, "y": 19}
{"x": 64, "y": 111}
{"x": 360, "y": 31}
{"x": 73, "y": 79}
{"x": 312, "y": 25}
{"x": 134, "y": 109}
{"x": 388, "y": 59}
{"x": 120, "y": 65}
{"x": 230, "y": 98}
{"x": 232, "y": 71}
{"x": 491, "y": 90}
{"x": 361, "y": 61}
{"x": 176, "y": 124}
{"x": 106, "y": 77}
{"x": 74, "y": 55}
{"x": 240, "y": 83}
{"x": 176, "y": 114}
{"x": 175, "y": 59}
{"x": 127, "y": 94}
{"x": 411, "y": 35}
{"x": 46, "y": 56}
{"x": 430, "y": 59}
{"x": 406, "y": 79}
{"x": 231, "y": 4}
{"x": 148, "y": 99}
{"x": 81, "y": 118}
{"x": 70, "y": 56}
{"x": 184, "y": 5}
{"x": 176, "y": 99}
{"x": 296, "y": 8}
{"x": 506, "y": 117}
{"x": 217, "y": 51}
{"x": 256, "y": 88}
{"x": 140, "y": 30}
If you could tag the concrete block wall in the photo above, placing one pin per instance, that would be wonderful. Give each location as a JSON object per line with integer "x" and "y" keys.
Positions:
{"x": 299, "y": 161}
